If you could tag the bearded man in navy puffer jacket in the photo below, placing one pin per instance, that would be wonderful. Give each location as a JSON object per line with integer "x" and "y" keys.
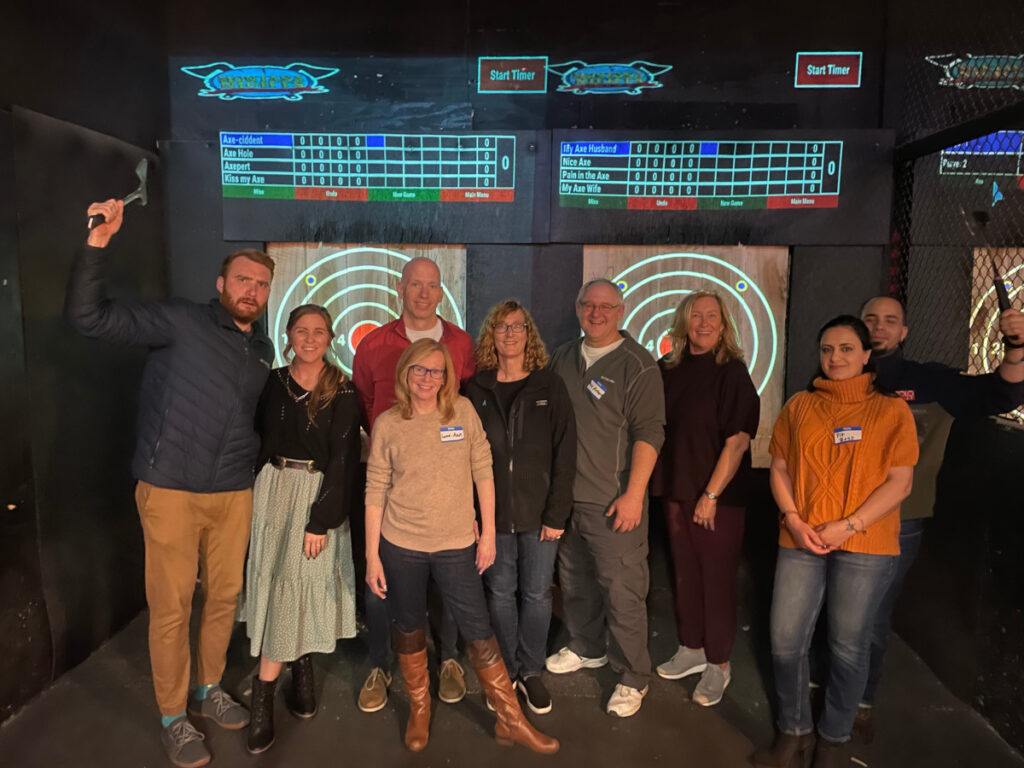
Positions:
{"x": 194, "y": 453}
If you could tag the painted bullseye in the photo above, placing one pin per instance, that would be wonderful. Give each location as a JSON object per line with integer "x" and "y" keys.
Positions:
{"x": 359, "y": 331}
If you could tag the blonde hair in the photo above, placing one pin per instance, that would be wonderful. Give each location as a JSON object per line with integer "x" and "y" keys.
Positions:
{"x": 535, "y": 356}
{"x": 331, "y": 379}
{"x": 726, "y": 348}
{"x": 412, "y": 355}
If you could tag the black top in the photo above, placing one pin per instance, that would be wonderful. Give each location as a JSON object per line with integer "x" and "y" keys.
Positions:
{"x": 506, "y": 392}
{"x": 960, "y": 395}
{"x": 705, "y": 403}
{"x": 331, "y": 440}
{"x": 533, "y": 446}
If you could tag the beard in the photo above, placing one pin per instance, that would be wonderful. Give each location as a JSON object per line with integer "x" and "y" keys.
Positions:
{"x": 243, "y": 310}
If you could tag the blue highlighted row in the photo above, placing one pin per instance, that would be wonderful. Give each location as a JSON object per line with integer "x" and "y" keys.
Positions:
{"x": 994, "y": 143}
{"x": 595, "y": 147}
{"x": 256, "y": 140}
{"x": 600, "y": 147}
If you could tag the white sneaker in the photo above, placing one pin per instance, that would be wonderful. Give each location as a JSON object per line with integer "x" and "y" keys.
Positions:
{"x": 683, "y": 662}
{"x": 626, "y": 700}
{"x": 569, "y": 661}
{"x": 712, "y": 685}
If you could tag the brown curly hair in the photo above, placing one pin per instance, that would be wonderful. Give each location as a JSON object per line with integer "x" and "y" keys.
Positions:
{"x": 535, "y": 355}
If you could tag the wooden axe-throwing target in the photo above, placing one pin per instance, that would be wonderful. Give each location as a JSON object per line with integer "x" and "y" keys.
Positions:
{"x": 986, "y": 340}
{"x": 358, "y": 284}
{"x": 751, "y": 281}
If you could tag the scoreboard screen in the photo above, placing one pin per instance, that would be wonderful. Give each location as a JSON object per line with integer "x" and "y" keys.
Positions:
{"x": 980, "y": 176}
{"x": 378, "y": 186}
{"x": 796, "y": 187}
{"x": 706, "y": 175}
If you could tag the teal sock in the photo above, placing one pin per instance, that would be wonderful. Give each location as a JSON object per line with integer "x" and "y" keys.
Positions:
{"x": 168, "y": 719}
{"x": 202, "y": 690}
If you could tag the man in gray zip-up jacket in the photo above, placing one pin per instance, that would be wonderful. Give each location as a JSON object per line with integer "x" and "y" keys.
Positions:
{"x": 194, "y": 454}
{"x": 616, "y": 392}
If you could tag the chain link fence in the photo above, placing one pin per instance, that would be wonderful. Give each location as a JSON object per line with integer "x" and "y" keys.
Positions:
{"x": 958, "y": 202}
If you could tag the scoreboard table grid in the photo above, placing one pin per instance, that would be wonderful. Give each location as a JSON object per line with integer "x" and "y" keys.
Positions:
{"x": 368, "y": 166}
{"x": 700, "y": 175}
{"x": 995, "y": 154}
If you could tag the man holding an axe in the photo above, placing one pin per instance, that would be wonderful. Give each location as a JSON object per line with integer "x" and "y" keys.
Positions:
{"x": 936, "y": 394}
{"x": 194, "y": 453}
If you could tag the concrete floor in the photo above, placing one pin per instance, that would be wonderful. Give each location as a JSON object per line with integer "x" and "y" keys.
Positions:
{"x": 102, "y": 714}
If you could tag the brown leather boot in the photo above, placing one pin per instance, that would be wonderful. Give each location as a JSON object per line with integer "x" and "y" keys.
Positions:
{"x": 512, "y": 725}
{"x": 411, "y": 648}
{"x": 788, "y": 751}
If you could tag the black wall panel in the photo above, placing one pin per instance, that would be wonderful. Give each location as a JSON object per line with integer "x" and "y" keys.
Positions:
{"x": 823, "y": 283}
{"x": 82, "y": 393}
{"x": 544, "y": 278}
{"x": 24, "y": 630}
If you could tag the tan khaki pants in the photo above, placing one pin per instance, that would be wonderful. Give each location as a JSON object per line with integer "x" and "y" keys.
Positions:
{"x": 185, "y": 534}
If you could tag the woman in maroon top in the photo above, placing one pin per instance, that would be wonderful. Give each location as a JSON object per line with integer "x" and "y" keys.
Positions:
{"x": 712, "y": 411}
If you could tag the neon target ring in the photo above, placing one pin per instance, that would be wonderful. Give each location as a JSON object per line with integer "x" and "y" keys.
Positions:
{"x": 358, "y": 291}
{"x": 672, "y": 277}
{"x": 984, "y": 325}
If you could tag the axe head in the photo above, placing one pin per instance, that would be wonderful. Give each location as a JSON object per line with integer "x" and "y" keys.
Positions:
{"x": 140, "y": 194}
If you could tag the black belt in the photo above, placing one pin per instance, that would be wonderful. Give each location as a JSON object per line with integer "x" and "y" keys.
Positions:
{"x": 282, "y": 463}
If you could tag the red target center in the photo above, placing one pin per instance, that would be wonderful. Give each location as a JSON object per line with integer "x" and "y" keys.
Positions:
{"x": 359, "y": 331}
{"x": 664, "y": 345}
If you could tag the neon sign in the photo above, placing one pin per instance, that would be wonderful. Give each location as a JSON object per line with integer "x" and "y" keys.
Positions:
{"x": 988, "y": 71}
{"x": 579, "y": 77}
{"x": 228, "y": 82}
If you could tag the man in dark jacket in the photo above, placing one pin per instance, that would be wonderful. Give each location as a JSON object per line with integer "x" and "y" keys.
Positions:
{"x": 936, "y": 394}
{"x": 193, "y": 460}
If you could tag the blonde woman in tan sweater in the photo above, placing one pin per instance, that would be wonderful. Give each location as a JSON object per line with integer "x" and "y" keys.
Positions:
{"x": 427, "y": 453}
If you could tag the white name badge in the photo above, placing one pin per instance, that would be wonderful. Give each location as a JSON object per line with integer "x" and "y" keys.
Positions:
{"x": 846, "y": 435}
{"x": 452, "y": 434}
{"x": 596, "y": 389}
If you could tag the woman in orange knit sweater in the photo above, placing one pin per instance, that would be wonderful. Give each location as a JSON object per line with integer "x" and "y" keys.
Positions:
{"x": 843, "y": 456}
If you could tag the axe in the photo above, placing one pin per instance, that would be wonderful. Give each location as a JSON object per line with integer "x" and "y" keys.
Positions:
{"x": 141, "y": 170}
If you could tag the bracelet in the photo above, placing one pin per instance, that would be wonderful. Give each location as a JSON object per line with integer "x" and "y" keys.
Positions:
{"x": 1010, "y": 345}
{"x": 851, "y": 527}
{"x": 1011, "y": 362}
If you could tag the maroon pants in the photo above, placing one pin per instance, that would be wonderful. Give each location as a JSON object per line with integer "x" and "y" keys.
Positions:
{"x": 705, "y": 564}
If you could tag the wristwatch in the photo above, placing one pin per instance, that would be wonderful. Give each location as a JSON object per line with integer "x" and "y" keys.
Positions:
{"x": 710, "y": 495}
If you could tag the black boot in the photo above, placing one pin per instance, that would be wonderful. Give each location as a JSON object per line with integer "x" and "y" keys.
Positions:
{"x": 261, "y": 716}
{"x": 301, "y": 697}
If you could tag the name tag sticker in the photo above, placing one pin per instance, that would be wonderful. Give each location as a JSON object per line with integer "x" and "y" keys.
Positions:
{"x": 846, "y": 435}
{"x": 452, "y": 434}
{"x": 596, "y": 389}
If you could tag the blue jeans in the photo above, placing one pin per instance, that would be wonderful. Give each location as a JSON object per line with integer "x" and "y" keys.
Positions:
{"x": 408, "y": 572}
{"x": 911, "y": 533}
{"x": 525, "y": 562}
{"x": 378, "y": 629}
{"x": 855, "y": 584}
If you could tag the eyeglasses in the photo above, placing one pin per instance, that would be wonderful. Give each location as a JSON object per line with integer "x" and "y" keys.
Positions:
{"x": 421, "y": 372}
{"x": 510, "y": 327}
{"x": 589, "y": 306}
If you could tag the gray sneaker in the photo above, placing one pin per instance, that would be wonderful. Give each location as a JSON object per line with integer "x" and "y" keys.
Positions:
{"x": 221, "y": 708}
{"x": 712, "y": 685}
{"x": 683, "y": 662}
{"x": 184, "y": 744}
